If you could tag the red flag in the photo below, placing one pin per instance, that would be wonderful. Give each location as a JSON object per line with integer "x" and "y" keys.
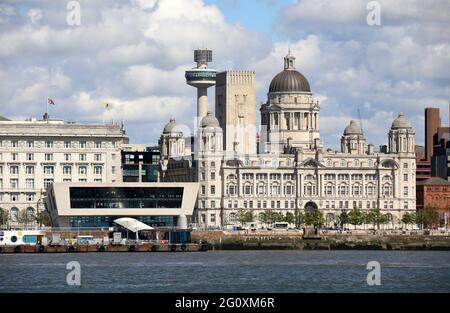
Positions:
{"x": 50, "y": 101}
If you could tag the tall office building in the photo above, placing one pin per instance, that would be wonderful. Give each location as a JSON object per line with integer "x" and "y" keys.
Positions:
{"x": 236, "y": 110}
{"x": 36, "y": 153}
{"x": 432, "y": 123}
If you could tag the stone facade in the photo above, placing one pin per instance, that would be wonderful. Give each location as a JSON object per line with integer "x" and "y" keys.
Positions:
{"x": 292, "y": 170}
{"x": 34, "y": 154}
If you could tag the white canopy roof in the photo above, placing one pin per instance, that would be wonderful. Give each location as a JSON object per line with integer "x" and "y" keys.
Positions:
{"x": 132, "y": 224}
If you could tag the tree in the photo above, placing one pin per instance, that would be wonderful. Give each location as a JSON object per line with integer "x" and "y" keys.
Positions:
{"x": 343, "y": 218}
{"x": 4, "y": 217}
{"x": 289, "y": 218}
{"x": 409, "y": 219}
{"x": 43, "y": 218}
{"x": 428, "y": 217}
{"x": 299, "y": 218}
{"x": 24, "y": 218}
{"x": 244, "y": 216}
{"x": 356, "y": 217}
{"x": 376, "y": 218}
{"x": 315, "y": 218}
{"x": 279, "y": 217}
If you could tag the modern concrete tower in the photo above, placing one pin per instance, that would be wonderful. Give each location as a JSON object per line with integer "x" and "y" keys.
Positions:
{"x": 201, "y": 78}
{"x": 236, "y": 110}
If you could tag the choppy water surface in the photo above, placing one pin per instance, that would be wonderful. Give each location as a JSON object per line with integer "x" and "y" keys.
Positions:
{"x": 228, "y": 271}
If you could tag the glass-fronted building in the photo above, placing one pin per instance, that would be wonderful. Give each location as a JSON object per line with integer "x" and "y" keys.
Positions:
{"x": 98, "y": 205}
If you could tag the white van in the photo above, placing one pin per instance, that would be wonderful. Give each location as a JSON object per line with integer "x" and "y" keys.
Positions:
{"x": 280, "y": 226}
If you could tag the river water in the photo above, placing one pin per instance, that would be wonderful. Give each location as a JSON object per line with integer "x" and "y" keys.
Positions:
{"x": 228, "y": 271}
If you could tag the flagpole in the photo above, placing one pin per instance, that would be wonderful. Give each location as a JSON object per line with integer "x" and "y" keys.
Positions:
{"x": 47, "y": 110}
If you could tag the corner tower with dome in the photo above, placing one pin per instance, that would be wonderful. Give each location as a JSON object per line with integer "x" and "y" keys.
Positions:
{"x": 291, "y": 171}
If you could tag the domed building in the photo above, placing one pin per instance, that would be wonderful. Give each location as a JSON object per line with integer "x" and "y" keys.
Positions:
{"x": 291, "y": 171}
{"x": 291, "y": 115}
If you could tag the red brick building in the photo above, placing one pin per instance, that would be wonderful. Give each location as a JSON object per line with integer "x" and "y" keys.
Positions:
{"x": 434, "y": 192}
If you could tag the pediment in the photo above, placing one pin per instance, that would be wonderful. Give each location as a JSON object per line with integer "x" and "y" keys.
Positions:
{"x": 311, "y": 163}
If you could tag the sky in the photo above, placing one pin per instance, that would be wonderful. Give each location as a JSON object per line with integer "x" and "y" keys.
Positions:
{"x": 133, "y": 54}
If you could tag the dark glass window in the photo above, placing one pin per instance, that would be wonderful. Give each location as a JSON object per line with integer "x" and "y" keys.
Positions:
{"x": 125, "y": 197}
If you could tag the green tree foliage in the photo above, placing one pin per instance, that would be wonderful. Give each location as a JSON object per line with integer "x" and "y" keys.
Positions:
{"x": 428, "y": 217}
{"x": 315, "y": 218}
{"x": 356, "y": 217}
{"x": 376, "y": 218}
{"x": 244, "y": 216}
{"x": 289, "y": 218}
{"x": 299, "y": 218}
{"x": 4, "y": 217}
{"x": 43, "y": 218}
{"x": 409, "y": 219}
{"x": 343, "y": 218}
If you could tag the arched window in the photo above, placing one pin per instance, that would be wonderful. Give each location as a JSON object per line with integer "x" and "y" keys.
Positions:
{"x": 248, "y": 189}
{"x": 387, "y": 190}
{"x": 356, "y": 163}
{"x": 14, "y": 214}
{"x": 289, "y": 189}
{"x": 275, "y": 189}
{"x": 343, "y": 189}
{"x": 232, "y": 218}
{"x": 232, "y": 189}
{"x": 387, "y": 178}
{"x": 329, "y": 163}
{"x": 329, "y": 189}
{"x": 343, "y": 163}
{"x": 370, "y": 190}
{"x": 310, "y": 189}
{"x": 262, "y": 189}
{"x": 247, "y": 162}
{"x": 356, "y": 190}
{"x": 30, "y": 214}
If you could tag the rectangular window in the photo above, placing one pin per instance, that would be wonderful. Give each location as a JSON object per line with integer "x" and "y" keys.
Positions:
{"x": 213, "y": 190}
{"x": 67, "y": 170}
{"x": 29, "y": 170}
{"x": 14, "y": 157}
{"x": 213, "y": 204}
{"x": 30, "y": 157}
{"x": 14, "y": 183}
{"x": 49, "y": 144}
{"x": 29, "y": 183}
{"x": 30, "y": 197}
{"x": 14, "y": 144}
{"x": 113, "y": 170}
{"x": 14, "y": 170}
{"x": 49, "y": 170}
{"x": 405, "y": 205}
{"x": 113, "y": 156}
{"x": 47, "y": 182}
{"x": 213, "y": 175}
{"x": 66, "y": 144}
{"x": 98, "y": 145}
{"x": 202, "y": 176}
{"x": 98, "y": 170}
{"x": 67, "y": 180}
{"x": 82, "y": 170}
{"x": 82, "y": 157}
{"x": 82, "y": 144}
{"x": 67, "y": 157}
{"x": 203, "y": 190}
{"x": 48, "y": 157}
{"x": 14, "y": 197}
{"x": 405, "y": 191}
{"x": 30, "y": 144}
{"x": 98, "y": 157}
{"x": 405, "y": 177}
{"x": 1, "y": 170}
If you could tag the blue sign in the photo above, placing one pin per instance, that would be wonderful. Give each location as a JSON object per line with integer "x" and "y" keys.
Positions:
{"x": 2, "y": 233}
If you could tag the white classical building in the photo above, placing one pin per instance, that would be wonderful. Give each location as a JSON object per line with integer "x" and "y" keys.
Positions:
{"x": 36, "y": 153}
{"x": 289, "y": 169}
